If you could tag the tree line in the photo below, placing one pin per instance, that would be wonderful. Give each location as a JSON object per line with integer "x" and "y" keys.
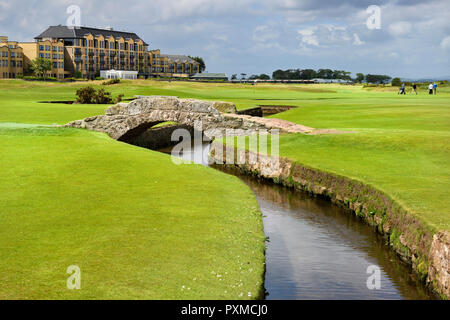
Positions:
{"x": 309, "y": 74}
{"x": 372, "y": 78}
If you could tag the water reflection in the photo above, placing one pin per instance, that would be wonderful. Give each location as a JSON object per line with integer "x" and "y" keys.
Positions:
{"x": 319, "y": 251}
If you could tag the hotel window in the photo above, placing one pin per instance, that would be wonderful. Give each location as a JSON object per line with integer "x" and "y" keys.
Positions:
{"x": 41, "y": 48}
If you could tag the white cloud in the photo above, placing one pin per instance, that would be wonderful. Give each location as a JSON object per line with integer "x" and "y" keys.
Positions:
{"x": 400, "y": 28}
{"x": 328, "y": 36}
{"x": 356, "y": 40}
{"x": 308, "y": 37}
{"x": 265, "y": 34}
{"x": 445, "y": 43}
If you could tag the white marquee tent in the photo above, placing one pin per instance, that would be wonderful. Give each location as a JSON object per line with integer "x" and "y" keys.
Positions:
{"x": 118, "y": 74}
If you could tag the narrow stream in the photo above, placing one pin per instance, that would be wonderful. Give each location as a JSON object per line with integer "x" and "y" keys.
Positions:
{"x": 317, "y": 250}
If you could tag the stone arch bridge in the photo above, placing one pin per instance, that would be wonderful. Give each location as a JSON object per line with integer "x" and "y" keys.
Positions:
{"x": 125, "y": 122}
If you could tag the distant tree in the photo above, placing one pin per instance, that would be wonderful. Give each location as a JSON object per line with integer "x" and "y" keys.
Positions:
{"x": 28, "y": 70}
{"x": 344, "y": 75}
{"x": 325, "y": 73}
{"x": 278, "y": 74}
{"x": 264, "y": 77}
{"x": 290, "y": 74}
{"x": 41, "y": 66}
{"x": 360, "y": 77}
{"x": 259, "y": 77}
{"x": 308, "y": 74}
{"x": 377, "y": 78}
{"x": 201, "y": 62}
{"x": 243, "y": 75}
{"x": 396, "y": 82}
{"x": 234, "y": 77}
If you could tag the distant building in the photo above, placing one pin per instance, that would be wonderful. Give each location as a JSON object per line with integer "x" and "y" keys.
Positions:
{"x": 11, "y": 59}
{"x": 46, "y": 49}
{"x": 119, "y": 74}
{"x": 210, "y": 76}
{"x": 173, "y": 66}
{"x": 89, "y": 50}
{"x": 85, "y": 52}
{"x": 332, "y": 81}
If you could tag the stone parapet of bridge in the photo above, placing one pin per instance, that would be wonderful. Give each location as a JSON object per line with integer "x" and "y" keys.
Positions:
{"x": 125, "y": 121}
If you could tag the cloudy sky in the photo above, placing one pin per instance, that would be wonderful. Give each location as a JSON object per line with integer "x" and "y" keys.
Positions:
{"x": 260, "y": 36}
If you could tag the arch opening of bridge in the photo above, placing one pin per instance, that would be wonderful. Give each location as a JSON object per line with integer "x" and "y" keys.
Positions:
{"x": 163, "y": 135}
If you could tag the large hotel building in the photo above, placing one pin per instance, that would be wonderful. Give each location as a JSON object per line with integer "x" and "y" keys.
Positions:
{"x": 84, "y": 52}
{"x": 11, "y": 58}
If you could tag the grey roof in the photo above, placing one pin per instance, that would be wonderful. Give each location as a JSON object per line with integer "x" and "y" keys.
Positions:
{"x": 210, "y": 75}
{"x": 64, "y": 32}
{"x": 181, "y": 58}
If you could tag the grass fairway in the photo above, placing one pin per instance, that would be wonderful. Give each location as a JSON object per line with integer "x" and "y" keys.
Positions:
{"x": 140, "y": 227}
{"x": 401, "y": 146}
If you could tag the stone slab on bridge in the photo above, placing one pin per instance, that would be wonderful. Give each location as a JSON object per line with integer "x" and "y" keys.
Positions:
{"x": 125, "y": 121}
